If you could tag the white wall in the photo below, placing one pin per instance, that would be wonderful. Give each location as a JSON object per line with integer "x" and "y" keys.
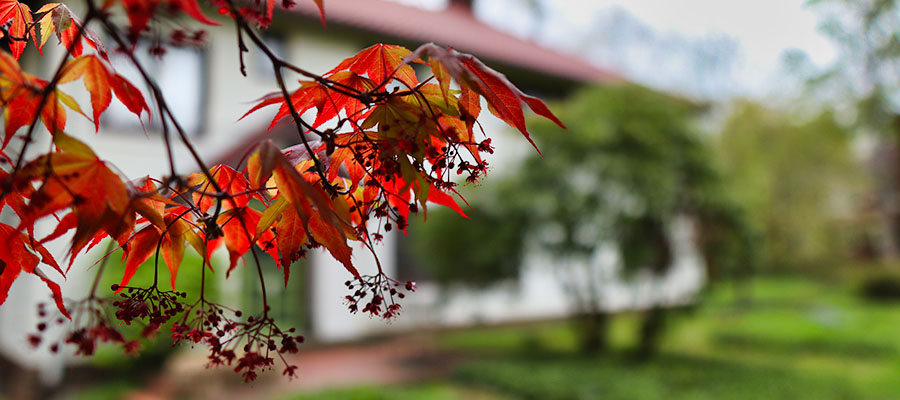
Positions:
{"x": 538, "y": 293}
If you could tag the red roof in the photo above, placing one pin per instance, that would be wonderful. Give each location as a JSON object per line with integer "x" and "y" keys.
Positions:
{"x": 457, "y": 27}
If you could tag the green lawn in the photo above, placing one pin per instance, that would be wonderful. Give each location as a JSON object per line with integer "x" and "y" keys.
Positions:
{"x": 423, "y": 391}
{"x": 795, "y": 339}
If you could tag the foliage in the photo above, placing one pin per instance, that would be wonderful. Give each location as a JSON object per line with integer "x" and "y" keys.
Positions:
{"x": 863, "y": 80}
{"x": 371, "y": 157}
{"x": 865, "y": 72}
{"x": 799, "y": 183}
{"x": 628, "y": 152}
{"x": 629, "y": 163}
{"x": 882, "y": 287}
{"x": 444, "y": 245}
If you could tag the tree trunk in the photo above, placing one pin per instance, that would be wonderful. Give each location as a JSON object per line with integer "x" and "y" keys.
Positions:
{"x": 653, "y": 324}
{"x": 594, "y": 331}
{"x": 652, "y": 328}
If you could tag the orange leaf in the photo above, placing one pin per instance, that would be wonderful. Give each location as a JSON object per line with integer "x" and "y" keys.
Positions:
{"x": 321, "y": 10}
{"x": 140, "y": 247}
{"x": 99, "y": 80}
{"x": 149, "y": 204}
{"x": 336, "y": 102}
{"x": 438, "y": 197}
{"x": 192, "y": 9}
{"x": 20, "y": 15}
{"x": 129, "y": 96}
{"x": 310, "y": 202}
{"x": 19, "y": 112}
{"x": 379, "y": 62}
{"x": 57, "y": 18}
{"x": 344, "y": 155}
{"x": 239, "y": 226}
{"x": 17, "y": 255}
{"x": 74, "y": 177}
{"x": 20, "y": 96}
{"x": 291, "y": 237}
{"x": 97, "y": 76}
{"x": 503, "y": 98}
{"x": 332, "y": 239}
{"x": 172, "y": 247}
{"x": 228, "y": 180}
{"x": 469, "y": 108}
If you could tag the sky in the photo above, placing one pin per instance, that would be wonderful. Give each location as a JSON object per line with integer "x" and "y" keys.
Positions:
{"x": 764, "y": 28}
{"x": 761, "y": 29}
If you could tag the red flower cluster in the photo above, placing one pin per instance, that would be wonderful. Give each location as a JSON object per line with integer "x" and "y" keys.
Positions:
{"x": 381, "y": 292}
{"x": 150, "y": 304}
{"x": 92, "y": 325}
{"x": 254, "y": 343}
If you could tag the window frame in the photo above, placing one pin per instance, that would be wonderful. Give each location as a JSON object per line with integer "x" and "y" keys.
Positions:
{"x": 127, "y": 124}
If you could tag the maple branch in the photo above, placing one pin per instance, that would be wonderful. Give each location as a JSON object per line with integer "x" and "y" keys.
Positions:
{"x": 161, "y": 103}
{"x": 319, "y": 167}
{"x": 262, "y": 282}
{"x": 203, "y": 279}
{"x": 100, "y": 268}
{"x": 5, "y": 31}
{"x": 165, "y": 112}
{"x": 277, "y": 64}
{"x": 242, "y": 48}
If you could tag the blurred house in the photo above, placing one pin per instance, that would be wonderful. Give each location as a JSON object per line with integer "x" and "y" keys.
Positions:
{"x": 208, "y": 93}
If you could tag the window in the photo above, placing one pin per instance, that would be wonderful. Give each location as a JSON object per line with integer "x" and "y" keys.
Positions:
{"x": 262, "y": 66}
{"x": 289, "y": 304}
{"x": 180, "y": 73}
{"x": 409, "y": 267}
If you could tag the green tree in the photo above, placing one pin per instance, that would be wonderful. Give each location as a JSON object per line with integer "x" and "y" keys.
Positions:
{"x": 864, "y": 79}
{"x": 797, "y": 179}
{"x": 628, "y": 165}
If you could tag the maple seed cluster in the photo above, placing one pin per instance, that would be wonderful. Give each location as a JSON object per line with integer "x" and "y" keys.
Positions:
{"x": 91, "y": 325}
{"x": 381, "y": 292}
{"x": 152, "y": 305}
{"x": 254, "y": 344}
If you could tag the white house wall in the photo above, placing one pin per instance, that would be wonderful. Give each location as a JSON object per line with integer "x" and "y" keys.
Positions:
{"x": 537, "y": 293}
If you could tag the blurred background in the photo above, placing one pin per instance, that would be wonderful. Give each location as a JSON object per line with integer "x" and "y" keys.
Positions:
{"x": 720, "y": 220}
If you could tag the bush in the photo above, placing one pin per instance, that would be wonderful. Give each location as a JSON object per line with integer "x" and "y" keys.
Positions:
{"x": 884, "y": 287}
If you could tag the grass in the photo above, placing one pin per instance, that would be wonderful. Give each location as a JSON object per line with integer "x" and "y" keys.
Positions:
{"x": 425, "y": 391}
{"x": 669, "y": 376}
{"x": 796, "y": 339}
{"x": 111, "y": 391}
